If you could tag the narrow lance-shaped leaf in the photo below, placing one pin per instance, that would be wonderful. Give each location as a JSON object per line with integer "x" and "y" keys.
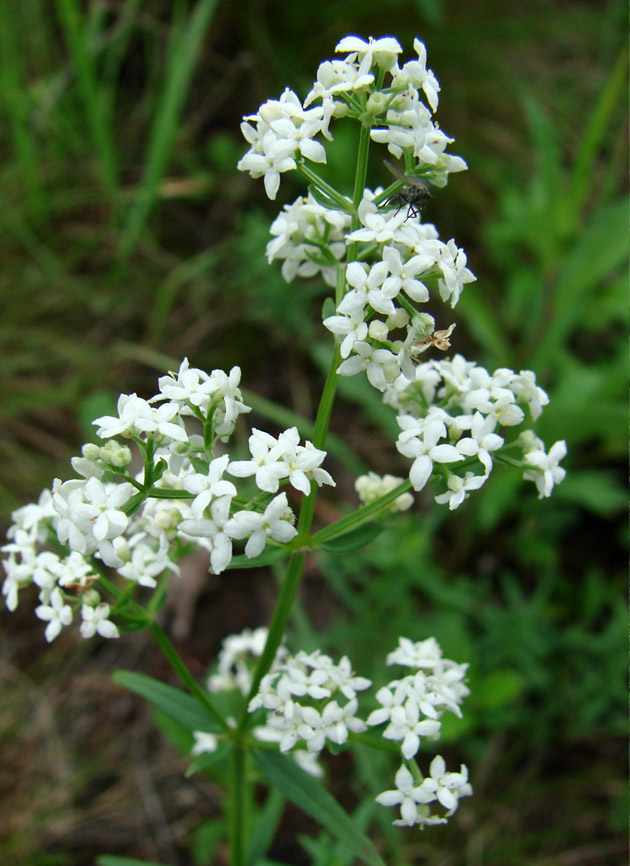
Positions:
{"x": 282, "y": 773}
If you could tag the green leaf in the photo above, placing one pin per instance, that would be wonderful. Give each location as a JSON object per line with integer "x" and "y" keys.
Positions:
{"x": 265, "y": 558}
{"x": 199, "y": 465}
{"x": 354, "y": 540}
{"x": 175, "y": 703}
{"x": 282, "y": 773}
{"x": 323, "y": 199}
{"x": 208, "y": 759}
{"x": 265, "y": 827}
{"x": 206, "y": 839}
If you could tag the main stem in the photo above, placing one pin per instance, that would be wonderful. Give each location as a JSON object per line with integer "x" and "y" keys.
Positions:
{"x": 297, "y": 560}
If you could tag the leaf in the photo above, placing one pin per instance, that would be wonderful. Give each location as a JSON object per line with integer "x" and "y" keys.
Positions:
{"x": 175, "y": 703}
{"x": 208, "y": 759}
{"x": 206, "y": 839}
{"x": 280, "y": 772}
{"x": 265, "y": 827}
{"x": 265, "y": 558}
{"x": 354, "y": 540}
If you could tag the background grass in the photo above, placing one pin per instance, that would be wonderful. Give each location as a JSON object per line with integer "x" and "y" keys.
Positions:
{"x": 128, "y": 240}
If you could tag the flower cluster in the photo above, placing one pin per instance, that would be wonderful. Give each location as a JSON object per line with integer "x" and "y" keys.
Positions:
{"x": 399, "y": 258}
{"x": 309, "y": 239}
{"x": 310, "y": 698}
{"x": 140, "y": 525}
{"x": 310, "y": 701}
{"x": 453, "y": 414}
{"x": 412, "y": 707}
{"x": 449, "y": 417}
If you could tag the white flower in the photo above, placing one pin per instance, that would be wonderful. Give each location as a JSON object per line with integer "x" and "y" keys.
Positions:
{"x": 302, "y": 462}
{"x": 145, "y": 557}
{"x": 545, "y": 471}
{"x": 419, "y": 440}
{"x": 403, "y": 274}
{"x": 383, "y": 52}
{"x": 258, "y": 527}
{"x": 136, "y": 416}
{"x": 207, "y": 487}
{"x": 421, "y": 654}
{"x": 188, "y": 385}
{"x": 481, "y": 441}
{"x": 379, "y": 365}
{"x": 378, "y": 228}
{"x": 56, "y": 613}
{"x": 415, "y": 73}
{"x": 18, "y": 574}
{"x": 91, "y": 516}
{"x": 458, "y": 488}
{"x": 406, "y": 725}
{"x": 96, "y": 621}
{"x": 204, "y": 743}
{"x": 217, "y": 529}
{"x": 226, "y": 387}
{"x": 275, "y": 157}
{"x": 266, "y": 463}
{"x": 352, "y": 328}
{"x": 366, "y": 289}
{"x": 445, "y": 787}
{"x": 406, "y": 795}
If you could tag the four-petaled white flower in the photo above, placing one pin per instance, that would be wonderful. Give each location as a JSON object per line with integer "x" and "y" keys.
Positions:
{"x": 208, "y": 487}
{"x": 57, "y": 613}
{"x": 216, "y": 528}
{"x": 407, "y": 795}
{"x": 545, "y": 471}
{"x": 257, "y": 528}
{"x": 405, "y": 724}
{"x": 96, "y": 621}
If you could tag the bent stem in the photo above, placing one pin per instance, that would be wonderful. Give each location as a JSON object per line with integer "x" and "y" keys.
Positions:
{"x": 172, "y": 657}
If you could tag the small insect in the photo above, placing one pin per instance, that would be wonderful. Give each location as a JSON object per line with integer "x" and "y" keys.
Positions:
{"x": 415, "y": 193}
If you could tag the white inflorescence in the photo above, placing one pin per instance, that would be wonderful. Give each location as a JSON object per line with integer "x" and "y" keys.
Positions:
{"x": 412, "y": 708}
{"x": 312, "y": 701}
{"x": 102, "y": 522}
{"x": 455, "y": 416}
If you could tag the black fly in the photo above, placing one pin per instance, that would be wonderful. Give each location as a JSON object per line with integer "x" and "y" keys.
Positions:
{"x": 415, "y": 194}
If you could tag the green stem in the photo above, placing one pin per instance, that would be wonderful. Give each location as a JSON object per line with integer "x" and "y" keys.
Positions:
{"x": 359, "y": 187}
{"x": 295, "y": 567}
{"x": 357, "y": 518}
{"x": 312, "y": 177}
{"x": 238, "y": 816}
{"x": 201, "y": 696}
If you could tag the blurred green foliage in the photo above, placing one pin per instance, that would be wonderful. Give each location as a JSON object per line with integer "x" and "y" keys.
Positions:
{"x": 128, "y": 239}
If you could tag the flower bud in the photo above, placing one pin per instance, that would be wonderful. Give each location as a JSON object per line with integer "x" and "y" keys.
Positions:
{"x": 378, "y": 330}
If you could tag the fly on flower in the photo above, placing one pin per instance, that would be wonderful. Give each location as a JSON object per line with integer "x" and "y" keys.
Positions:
{"x": 415, "y": 193}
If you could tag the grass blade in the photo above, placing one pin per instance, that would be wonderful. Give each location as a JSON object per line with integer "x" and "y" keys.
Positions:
{"x": 16, "y": 102}
{"x": 76, "y": 39}
{"x": 185, "y": 47}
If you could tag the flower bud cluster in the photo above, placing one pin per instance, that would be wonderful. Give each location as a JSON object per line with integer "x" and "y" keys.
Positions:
{"x": 371, "y": 487}
{"x": 449, "y": 415}
{"x": 140, "y": 526}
